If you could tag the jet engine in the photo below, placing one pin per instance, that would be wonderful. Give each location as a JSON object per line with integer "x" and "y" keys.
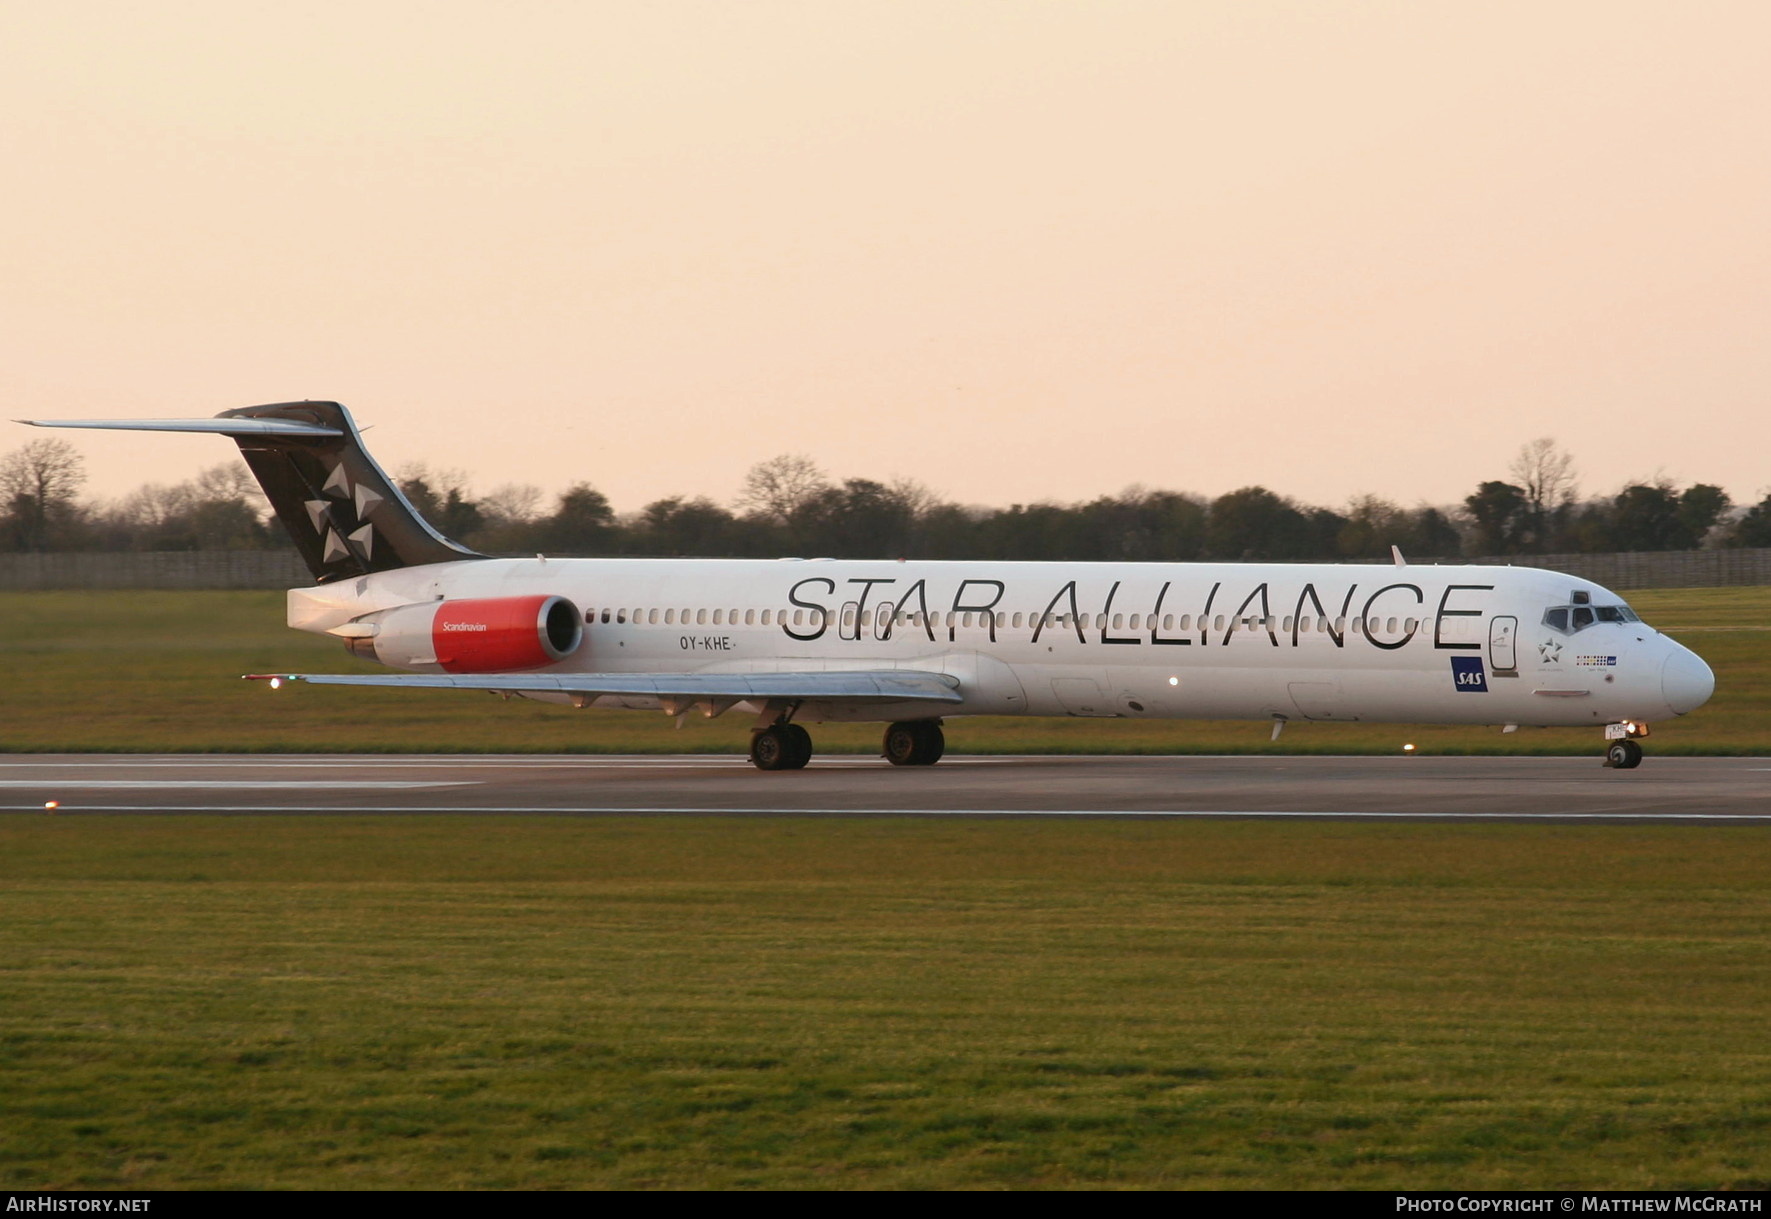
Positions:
{"x": 469, "y": 635}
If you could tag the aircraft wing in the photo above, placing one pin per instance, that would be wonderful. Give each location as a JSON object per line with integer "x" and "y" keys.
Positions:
{"x": 882, "y": 686}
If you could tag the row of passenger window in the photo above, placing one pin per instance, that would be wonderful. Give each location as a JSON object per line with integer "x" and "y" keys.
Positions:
{"x": 1004, "y": 621}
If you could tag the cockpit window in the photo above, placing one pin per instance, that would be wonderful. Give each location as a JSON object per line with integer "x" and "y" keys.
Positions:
{"x": 1571, "y": 618}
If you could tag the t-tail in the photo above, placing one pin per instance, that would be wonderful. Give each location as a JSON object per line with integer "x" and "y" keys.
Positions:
{"x": 346, "y": 517}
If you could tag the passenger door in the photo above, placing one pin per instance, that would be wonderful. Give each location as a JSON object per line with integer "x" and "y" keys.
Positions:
{"x": 1503, "y": 652}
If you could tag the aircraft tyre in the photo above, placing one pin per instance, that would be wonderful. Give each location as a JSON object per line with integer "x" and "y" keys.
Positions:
{"x": 801, "y": 740}
{"x": 781, "y": 747}
{"x": 1623, "y": 755}
{"x": 914, "y": 743}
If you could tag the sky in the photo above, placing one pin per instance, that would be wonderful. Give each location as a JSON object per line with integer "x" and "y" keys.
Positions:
{"x": 1016, "y": 251}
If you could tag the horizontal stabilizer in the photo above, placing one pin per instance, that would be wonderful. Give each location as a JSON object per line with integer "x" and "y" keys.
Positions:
{"x": 884, "y": 686}
{"x": 221, "y": 427}
{"x": 344, "y": 514}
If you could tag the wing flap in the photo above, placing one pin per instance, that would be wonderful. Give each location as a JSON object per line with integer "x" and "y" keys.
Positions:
{"x": 882, "y": 686}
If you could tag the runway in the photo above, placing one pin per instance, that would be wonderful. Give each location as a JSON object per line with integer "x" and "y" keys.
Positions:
{"x": 1691, "y": 790}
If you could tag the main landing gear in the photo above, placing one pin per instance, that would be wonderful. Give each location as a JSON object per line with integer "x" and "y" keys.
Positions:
{"x": 914, "y": 743}
{"x": 783, "y": 745}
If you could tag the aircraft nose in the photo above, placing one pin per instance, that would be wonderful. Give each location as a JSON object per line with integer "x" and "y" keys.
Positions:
{"x": 1685, "y": 681}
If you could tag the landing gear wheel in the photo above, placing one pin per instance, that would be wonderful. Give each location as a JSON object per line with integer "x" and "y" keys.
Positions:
{"x": 1623, "y": 755}
{"x": 801, "y": 740}
{"x": 914, "y": 743}
{"x": 781, "y": 747}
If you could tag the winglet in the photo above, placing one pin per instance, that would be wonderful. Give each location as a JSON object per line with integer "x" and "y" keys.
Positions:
{"x": 1396, "y": 554}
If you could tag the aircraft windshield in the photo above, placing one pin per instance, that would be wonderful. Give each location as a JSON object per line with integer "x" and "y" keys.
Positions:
{"x": 1571, "y": 618}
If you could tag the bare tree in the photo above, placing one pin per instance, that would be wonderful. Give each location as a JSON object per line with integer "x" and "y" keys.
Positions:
{"x": 37, "y": 487}
{"x": 1545, "y": 475}
{"x": 512, "y": 504}
{"x": 49, "y": 471}
{"x": 781, "y": 486}
{"x": 232, "y": 483}
{"x": 153, "y": 505}
{"x": 149, "y": 507}
{"x": 914, "y": 495}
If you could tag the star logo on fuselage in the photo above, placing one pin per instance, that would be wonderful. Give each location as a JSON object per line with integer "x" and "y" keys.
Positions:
{"x": 1550, "y": 651}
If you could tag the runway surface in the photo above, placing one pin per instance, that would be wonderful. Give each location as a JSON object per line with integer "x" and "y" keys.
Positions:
{"x": 1704, "y": 790}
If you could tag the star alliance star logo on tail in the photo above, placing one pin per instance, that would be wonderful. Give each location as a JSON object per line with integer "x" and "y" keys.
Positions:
{"x": 341, "y": 540}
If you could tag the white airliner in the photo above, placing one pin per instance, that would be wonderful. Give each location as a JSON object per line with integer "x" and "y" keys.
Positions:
{"x": 908, "y": 643}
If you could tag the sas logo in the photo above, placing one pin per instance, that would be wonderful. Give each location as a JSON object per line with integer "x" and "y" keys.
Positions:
{"x": 1467, "y": 674}
{"x": 1595, "y": 662}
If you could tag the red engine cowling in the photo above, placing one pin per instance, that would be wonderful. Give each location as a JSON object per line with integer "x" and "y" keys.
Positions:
{"x": 474, "y": 635}
{"x": 505, "y": 634}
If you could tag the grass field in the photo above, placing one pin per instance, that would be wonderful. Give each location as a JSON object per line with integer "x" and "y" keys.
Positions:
{"x": 333, "y": 1002}
{"x": 153, "y": 671}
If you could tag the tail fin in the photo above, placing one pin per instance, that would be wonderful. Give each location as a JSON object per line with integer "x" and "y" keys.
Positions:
{"x": 345, "y": 516}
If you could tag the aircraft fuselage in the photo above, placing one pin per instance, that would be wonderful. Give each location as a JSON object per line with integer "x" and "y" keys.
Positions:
{"x": 1442, "y": 644}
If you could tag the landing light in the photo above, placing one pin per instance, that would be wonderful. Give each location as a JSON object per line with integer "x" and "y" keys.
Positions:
{"x": 1408, "y": 748}
{"x": 49, "y": 806}
{"x": 276, "y": 683}
{"x": 1174, "y": 681}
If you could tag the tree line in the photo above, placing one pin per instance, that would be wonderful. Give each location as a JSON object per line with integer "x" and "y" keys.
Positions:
{"x": 789, "y": 506}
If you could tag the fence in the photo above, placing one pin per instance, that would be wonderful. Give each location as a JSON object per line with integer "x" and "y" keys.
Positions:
{"x": 155, "y": 569}
{"x": 1656, "y": 568}
{"x": 284, "y": 569}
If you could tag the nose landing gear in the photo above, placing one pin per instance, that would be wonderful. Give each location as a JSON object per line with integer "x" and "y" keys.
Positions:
{"x": 1623, "y": 753}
